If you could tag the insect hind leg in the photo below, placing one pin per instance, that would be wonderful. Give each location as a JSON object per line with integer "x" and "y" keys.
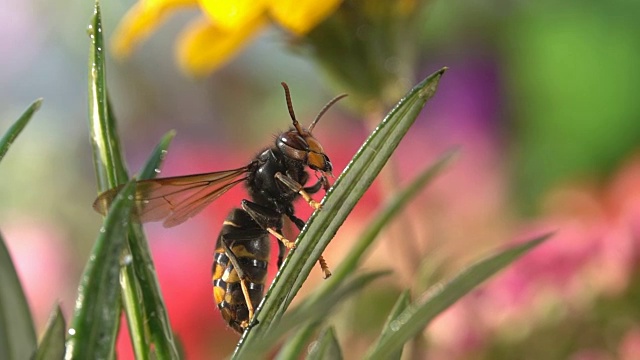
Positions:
{"x": 250, "y": 271}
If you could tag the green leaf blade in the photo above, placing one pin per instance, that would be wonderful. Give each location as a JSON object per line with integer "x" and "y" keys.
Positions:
{"x": 12, "y": 133}
{"x": 107, "y": 154}
{"x": 146, "y": 314}
{"x": 327, "y": 347}
{"x": 97, "y": 313}
{"x": 350, "y": 263}
{"x": 51, "y": 345}
{"x": 416, "y": 317}
{"x": 17, "y": 334}
{"x": 143, "y": 302}
{"x": 338, "y": 203}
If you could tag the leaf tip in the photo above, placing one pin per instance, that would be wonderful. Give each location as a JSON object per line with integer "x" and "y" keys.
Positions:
{"x": 431, "y": 84}
{"x": 37, "y": 103}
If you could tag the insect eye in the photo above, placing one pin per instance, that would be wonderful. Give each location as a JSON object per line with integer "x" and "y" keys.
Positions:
{"x": 292, "y": 139}
{"x": 293, "y": 146}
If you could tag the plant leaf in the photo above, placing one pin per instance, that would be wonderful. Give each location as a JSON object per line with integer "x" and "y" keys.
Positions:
{"x": 17, "y": 335}
{"x": 401, "y": 305}
{"x": 97, "y": 312}
{"x": 378, "y": 223}
{"x": 15, "y": 129}
{"x": 51, "y": 345}
{"x": 294, "y": 346}
{"x": 433, "y": 302}
{"x": 340, "y": 200}
{"x": 142, "y": 299}
{"x": 147, "y": 319}
{"x": 313, "y": 311}
{"x": 327, "y": 347}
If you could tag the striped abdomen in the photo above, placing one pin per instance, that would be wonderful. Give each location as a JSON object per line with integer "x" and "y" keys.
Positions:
{"x": 241, "y": 239}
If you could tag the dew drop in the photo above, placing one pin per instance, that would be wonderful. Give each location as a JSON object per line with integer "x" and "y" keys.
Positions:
{"x": 395, "y": 325}
{"x": 72, "y": 331}
{"x": 312, "y": 347}
{"x": 157, "y": 170}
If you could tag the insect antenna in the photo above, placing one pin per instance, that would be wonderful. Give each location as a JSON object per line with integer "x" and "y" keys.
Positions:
{"x": 324, "y": 110}
{"x": 290, "y": 107}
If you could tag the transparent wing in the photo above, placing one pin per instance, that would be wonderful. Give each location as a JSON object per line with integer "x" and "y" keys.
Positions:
{"x": 174, "y": 199}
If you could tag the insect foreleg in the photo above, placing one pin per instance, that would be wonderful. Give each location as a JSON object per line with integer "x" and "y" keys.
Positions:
{"x": 296, "y": 187}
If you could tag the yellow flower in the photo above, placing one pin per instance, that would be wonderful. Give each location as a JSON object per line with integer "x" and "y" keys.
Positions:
{"x": 225, "y": 28}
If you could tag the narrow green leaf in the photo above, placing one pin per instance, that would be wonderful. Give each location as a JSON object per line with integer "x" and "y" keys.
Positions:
{"x": 107, "y": 156}
{"x": 327, "y": 347}
{"x": 384, "y": 217}
{"x": 17, "y": 335}
{"x": 51, "y": 345}
{"x": 151, "y": 168}
{"x": 143, "y": 303}
{"x": 146, "y": 314}
{"x": 97, "y": 313}
{"x": 294, "y": 346}
{"x": 400, "y": 306}
{"x": 433, "y": 302}
{"x": 338, "y": 203}
{"x": 15, "y": 129}
{"x": 313, "y": 311}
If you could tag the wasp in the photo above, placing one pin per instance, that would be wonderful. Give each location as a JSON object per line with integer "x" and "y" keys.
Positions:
{"x": 274, "y": 179}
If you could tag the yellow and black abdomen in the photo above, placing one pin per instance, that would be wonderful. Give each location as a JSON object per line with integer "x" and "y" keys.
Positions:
{"x": 241, "y": 242}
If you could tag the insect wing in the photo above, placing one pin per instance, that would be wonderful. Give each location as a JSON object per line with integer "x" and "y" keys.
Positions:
{"x": 174, "y": 199}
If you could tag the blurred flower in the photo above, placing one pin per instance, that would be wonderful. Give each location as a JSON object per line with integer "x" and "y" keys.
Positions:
{"x": 226, "y": 27}
{"x": 369, "y": 48}
{"x": 592, "y": 257}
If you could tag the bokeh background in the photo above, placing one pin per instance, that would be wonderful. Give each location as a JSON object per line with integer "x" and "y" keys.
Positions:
{"x": 541, "y": 98}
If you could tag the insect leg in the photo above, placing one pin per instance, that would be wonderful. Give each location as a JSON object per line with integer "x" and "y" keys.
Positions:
{"x": 323, "y": 264}
{"x": 315, "y": 187}
{"x": 268, "y": 219}
{"x": 226, "y": 245}
{"x": 296, "y": 187}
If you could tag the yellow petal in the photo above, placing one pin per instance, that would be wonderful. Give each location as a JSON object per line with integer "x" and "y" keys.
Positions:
{"x": 300, "y": 16}
{"x": 233, "y": 14}
{"x": 140, "y": 21}
{"x": 204, "y": 46}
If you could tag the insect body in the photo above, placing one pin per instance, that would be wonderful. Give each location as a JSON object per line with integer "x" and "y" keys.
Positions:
{"x": 274, "y": 179}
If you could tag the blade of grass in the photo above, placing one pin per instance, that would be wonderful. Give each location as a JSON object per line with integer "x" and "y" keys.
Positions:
{"x": 97, "y": 313}
{"x": 17, "y": 335}
{"x": 51, "y": 345}
{"x": 148, "y": 322}
{"x": 327, "y": 347}
{"x": 417, "y": 316}
{"x": 15, "y": 129}
{"x": 340, "y": 200}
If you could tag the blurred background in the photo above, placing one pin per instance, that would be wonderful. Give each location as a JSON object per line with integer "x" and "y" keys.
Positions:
{"x": 539, "y": 96}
